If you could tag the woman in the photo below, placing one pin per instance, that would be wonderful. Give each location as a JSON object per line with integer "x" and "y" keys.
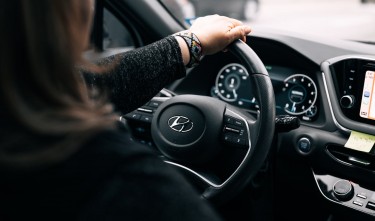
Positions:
{"x": 62, "y": 156}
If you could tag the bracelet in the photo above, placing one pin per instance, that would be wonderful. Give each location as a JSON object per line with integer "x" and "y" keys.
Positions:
{"x": 194, "y": 45}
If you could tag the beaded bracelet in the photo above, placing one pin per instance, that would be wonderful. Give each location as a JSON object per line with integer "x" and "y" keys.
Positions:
{"x": 194, "y": 45}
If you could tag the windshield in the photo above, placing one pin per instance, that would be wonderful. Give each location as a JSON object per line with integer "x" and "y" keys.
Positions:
{"x": 340, "y": 19}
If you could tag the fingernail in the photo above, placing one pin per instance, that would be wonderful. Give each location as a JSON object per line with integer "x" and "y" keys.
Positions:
{"x": 247, "y": 29}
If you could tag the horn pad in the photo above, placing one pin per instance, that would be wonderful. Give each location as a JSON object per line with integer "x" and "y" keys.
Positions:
{"x": 187, "y": 128}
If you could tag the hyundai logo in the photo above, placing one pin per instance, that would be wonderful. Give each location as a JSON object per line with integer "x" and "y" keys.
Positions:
{"x": 180, "y": 124}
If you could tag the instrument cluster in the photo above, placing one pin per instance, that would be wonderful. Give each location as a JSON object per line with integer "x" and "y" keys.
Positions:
{"x": 295, "y": 93}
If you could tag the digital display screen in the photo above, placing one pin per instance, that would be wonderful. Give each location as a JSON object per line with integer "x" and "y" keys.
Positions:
{"x": 367, "y": 109}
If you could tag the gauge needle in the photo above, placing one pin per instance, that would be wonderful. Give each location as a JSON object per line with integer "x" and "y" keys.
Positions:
{"x": 294, "y": 107}
{"x": 235, "y": 94}
{"x": 231, "y": 82}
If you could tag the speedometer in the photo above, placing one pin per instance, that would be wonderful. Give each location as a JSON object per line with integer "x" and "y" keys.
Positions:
{"x": 301, "y": 93}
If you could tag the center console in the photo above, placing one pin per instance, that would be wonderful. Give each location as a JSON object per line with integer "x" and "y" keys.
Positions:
{"x": 350, "y": 84}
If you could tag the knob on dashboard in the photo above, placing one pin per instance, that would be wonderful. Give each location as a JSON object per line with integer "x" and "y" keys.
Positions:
{"x": 347, "y": 101}
{"x": 343, "y": 190}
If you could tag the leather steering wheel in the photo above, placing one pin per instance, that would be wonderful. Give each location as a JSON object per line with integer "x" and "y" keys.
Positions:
{"x": 198, "y": 133}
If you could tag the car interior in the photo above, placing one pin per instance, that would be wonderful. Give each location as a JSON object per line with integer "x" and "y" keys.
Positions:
{"x": 278, "y": 128}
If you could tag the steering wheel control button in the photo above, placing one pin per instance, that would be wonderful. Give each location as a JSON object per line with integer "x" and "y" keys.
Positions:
{"x": 146, "y": 119}
{"x": 343, "y": 190}
{"x": 153, "y": 104}
{"x": 230, "y": 129}
{"x": 240, "y": 141}
{"x": 228, "y": 120}
{"x": 133, "y": 116}
{"x": 234, "y": 121}
{"x": 234, "y": 132}
{"x": 304, "y": 145}
{"x": 229, "y": 138}
{"x": 238, "y": 123}
{"x": 149, "y": 111}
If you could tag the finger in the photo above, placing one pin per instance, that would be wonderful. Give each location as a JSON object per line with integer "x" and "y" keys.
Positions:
{"x": 244, "y": 38}
{"x": 236, "y": 22}
{"x": 239, "y": 32}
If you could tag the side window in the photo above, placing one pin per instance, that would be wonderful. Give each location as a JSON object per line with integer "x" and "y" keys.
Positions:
{"x": 115, "y": 34}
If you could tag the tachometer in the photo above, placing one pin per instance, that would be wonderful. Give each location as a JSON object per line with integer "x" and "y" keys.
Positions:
{"x": 229, "y": 81}
{"x": 301, "y": 93}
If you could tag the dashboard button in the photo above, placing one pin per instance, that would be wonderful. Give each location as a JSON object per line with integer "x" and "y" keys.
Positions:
{"x": 304, "y": 145}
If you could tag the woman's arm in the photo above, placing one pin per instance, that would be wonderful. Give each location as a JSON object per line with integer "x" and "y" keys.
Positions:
{"x": 140, "y": 74}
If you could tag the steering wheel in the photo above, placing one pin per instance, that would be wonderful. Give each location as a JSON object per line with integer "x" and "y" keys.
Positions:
{"x": 218, "y": 145}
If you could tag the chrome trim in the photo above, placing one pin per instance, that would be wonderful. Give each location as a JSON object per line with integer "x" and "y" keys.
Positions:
{"x": 166, "y": 93}
{"x": 359, "y": 161}
{"x": 330, "y": 106}
{"x": 193, "y": 172}
{"x": 320, "y": 190}
{"x": 337, "y": 159}
{"x": 230, "y": 177}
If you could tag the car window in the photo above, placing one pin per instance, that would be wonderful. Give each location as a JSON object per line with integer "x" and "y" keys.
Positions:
{"x": 115, "y": 34}
{"x": 341, "y": 19}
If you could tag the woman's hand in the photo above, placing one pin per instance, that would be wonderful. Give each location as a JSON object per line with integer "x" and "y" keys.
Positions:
{"x": 214, "y": 33}
{"x": 217, "y": 32}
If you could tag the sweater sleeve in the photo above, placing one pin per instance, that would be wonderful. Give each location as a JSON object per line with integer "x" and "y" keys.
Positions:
{"x": 140, "y": 74}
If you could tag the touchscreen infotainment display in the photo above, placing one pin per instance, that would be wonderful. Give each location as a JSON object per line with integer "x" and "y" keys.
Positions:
{"x": 367, "y": 109}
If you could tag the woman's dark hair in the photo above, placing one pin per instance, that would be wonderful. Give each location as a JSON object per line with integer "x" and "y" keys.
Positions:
{"x": 41, "y": 43}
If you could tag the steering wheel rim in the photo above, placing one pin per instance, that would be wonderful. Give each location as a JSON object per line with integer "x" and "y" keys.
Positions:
{"x": 260, "y": 131}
